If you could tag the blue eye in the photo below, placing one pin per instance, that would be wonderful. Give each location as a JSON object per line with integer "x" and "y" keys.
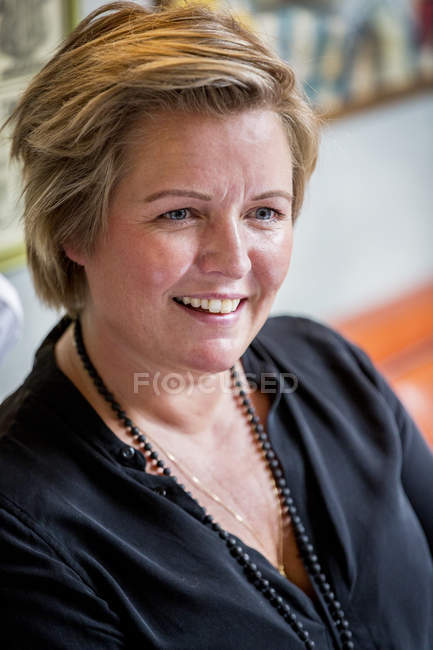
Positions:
{"x": 265, "y": 214}
{"x": 176, "y": 215}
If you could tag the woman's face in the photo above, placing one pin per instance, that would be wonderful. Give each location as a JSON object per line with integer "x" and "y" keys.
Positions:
{"x": 203, "y": 212}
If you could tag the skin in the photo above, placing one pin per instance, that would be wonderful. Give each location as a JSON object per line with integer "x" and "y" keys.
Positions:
{"x": 225, "y": 241}
{"x": 202, "y": 209}
{"x": 221, "y": 247}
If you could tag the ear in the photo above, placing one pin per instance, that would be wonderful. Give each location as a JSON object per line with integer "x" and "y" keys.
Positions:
{"x": 74, "y": 254}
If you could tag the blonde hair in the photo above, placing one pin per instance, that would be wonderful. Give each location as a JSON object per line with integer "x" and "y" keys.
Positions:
{"x": 121, "y": 63}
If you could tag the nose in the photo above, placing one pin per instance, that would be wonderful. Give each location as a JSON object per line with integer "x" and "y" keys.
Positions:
{"x": 224, "y": 249}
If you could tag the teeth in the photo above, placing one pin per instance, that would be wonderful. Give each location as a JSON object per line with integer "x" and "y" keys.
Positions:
{"x": 214, "y": 306}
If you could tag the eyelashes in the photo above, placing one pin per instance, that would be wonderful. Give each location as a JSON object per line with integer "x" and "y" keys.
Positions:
{"x": 263, "y": 214}
{"x": 175, "y": 215}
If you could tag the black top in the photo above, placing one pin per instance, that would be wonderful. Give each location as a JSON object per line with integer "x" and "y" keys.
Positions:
{"x": 97, "y": 554}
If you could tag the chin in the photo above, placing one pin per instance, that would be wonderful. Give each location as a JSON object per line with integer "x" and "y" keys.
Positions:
{"x": 215, "y": 359}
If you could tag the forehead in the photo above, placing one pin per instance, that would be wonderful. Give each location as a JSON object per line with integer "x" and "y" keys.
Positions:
{"x": 202, "y": 139}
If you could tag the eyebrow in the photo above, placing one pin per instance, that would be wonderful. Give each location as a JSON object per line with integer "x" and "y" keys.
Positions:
{"x": 268, "y": 195}
{"x": 205, "y": 197}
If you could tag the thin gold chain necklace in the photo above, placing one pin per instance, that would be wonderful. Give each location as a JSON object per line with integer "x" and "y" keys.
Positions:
{"x": 217, "y": 499}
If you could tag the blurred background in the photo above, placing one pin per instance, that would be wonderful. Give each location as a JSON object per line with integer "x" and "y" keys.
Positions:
{"x": 363, "y": 254}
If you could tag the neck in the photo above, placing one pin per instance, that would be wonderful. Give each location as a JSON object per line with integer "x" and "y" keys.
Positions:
{"x": 180, "y": 399}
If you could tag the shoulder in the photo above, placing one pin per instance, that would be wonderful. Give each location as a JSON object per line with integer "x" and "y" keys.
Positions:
{"x": 336, "y": 378}
{"x": 333, "y": 374}
{"x": 282, "y": 329}
{"x": 21, "y": 411}
{"x": 13, "y": 410}
{"x": 34, "y": 433}
{"x": 310, "y": 344}
{"x": 35, "y": 396}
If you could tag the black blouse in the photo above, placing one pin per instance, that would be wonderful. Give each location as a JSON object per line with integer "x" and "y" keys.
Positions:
{"x": 97, "y": 554}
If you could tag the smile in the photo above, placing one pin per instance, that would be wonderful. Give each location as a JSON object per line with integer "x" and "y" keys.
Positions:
{"x": 210, "y": 305}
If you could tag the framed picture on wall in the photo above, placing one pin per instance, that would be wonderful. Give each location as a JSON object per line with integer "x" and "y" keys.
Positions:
{"x": 30, "y": 31}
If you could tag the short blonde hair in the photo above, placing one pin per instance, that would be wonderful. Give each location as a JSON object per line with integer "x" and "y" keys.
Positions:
{"x": 121, "y": 63}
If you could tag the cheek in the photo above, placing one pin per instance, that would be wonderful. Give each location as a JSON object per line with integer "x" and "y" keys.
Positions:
{"x": 273, "y": 262}
{"x": 159, "y": 265}
{"x": 165, "y": 260}
{"x": 157, "y": 277}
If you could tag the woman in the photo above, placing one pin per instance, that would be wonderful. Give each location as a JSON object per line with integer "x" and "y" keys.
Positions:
{"x": 175, "y": 472}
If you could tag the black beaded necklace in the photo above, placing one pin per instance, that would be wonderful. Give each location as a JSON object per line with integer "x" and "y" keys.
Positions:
{"x": 254, "y": 575}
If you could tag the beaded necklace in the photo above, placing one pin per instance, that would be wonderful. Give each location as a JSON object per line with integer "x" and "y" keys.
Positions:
{"x": 253, "y": 573}
{"x": 217, "y": 499}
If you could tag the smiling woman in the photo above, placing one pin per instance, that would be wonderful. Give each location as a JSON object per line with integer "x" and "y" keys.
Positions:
{"x": 204, "y": 233}
{"x": 200, "y": 476}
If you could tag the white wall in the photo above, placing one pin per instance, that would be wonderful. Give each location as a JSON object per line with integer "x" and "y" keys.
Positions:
{"x": 366, "y": 231}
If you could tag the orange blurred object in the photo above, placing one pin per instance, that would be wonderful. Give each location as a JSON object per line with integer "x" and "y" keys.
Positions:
{"x": 398, "y": 336}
